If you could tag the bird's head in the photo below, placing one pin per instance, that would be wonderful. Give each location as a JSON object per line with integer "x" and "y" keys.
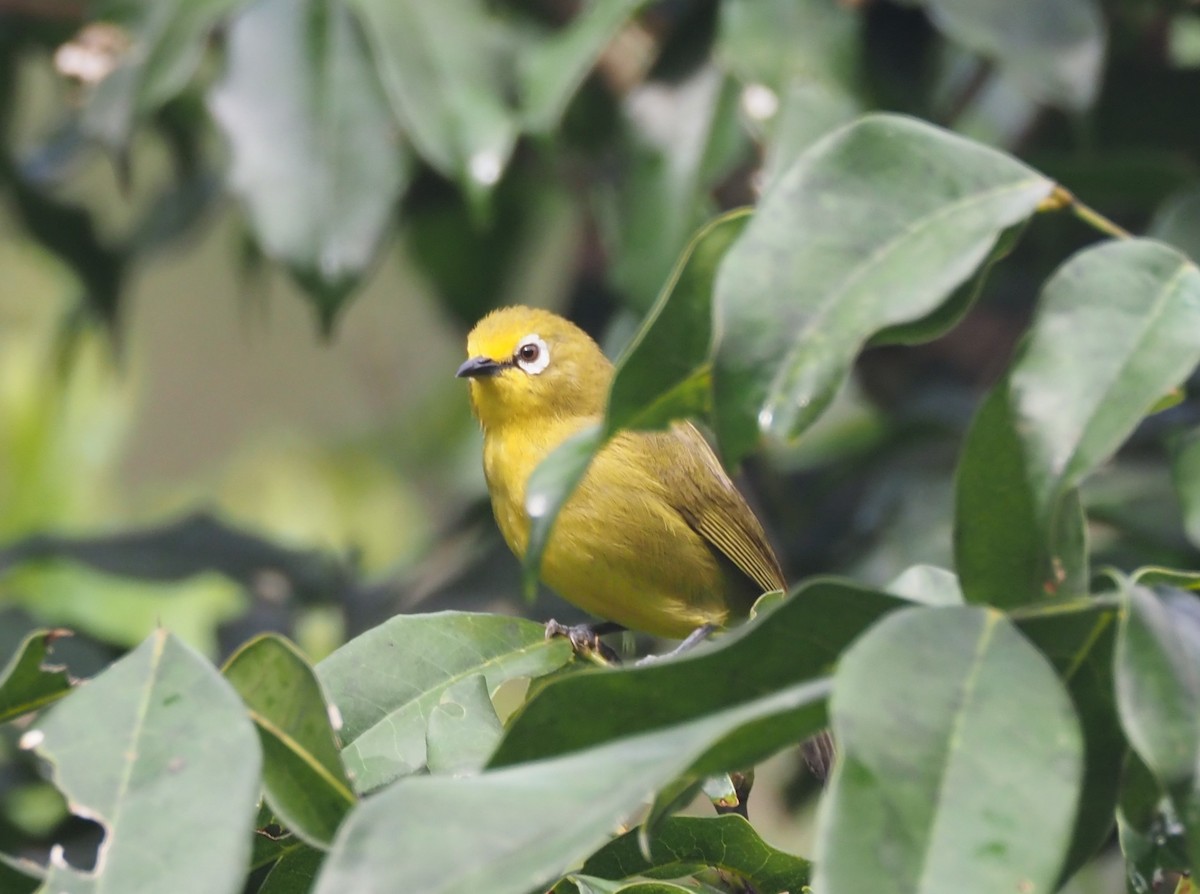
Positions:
{"x": 529, "y": 364}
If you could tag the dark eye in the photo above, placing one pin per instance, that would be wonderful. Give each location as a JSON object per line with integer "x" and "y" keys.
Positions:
{"x": 528, "y": 353}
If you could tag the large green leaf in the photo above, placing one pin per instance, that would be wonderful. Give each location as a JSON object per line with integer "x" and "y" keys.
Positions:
{"x": 1053, "y": 48}
{"x": 665, "y": 373}
{"x": 551, "y": 69}
{"x": 873, "y": 226}
{"x": 445, "y": 68}
{"x": 1003, "y": 553}
{"x": 680, "y": 844}
{"x": 1078, "y": 637}
{"x": 1117, "y": 327}
{"x": 387, "y": 682}
{"x": 797, "y": 641}
{"x": 158, "y": 749}
{"x": 314, "y": 154}
{"x": 27, "y": 683}
{"x": 972, "y": 783}
{"x": 305, "y": 782}
{"x": 511, "y": 830}
{"x": 1158, "y": 697}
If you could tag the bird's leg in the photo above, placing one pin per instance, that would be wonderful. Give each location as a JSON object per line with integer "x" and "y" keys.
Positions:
{"x": 585, "y": 638}
{"x": 697, "y": 636}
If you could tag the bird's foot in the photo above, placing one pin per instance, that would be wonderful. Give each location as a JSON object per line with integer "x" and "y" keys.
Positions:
{"x": 697, "y": 636}
{"x": 585, "y": 639}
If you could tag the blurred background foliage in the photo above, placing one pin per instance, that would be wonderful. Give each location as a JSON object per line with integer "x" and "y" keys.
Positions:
{"x": 241, "y": 242}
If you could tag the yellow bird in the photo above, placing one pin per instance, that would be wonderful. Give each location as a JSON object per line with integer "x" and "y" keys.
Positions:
{"x": 656, "y": 537}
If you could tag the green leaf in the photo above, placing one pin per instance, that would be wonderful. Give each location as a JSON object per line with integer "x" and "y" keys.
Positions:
{"x": 168, "y": 39}
{"x": 445, "y": 68}
{"x": 797, "y": 641}
{"x": 931, "y": 792}
{"x": 552, "y": 68}
{"x": 294, "y": 873}
{"x": 463, "y": 728}
{"x": 664, "y": 373}
{"x": 875, "y": 225}
{"x": 158, "y": 750}
{"x": 303, "y": 776}
{"x": 27, "y": 683}
{"x": 777, "y": 42}
{"x": 928, "y": 584}
{"x": 1151, "y": 837}
{"x": 1055, "y": 51}
{"x": 1078, "y": 637}
{"x": 1118, "y": 325}
{"x": 1158, "y": 683}
{"x": 682, "y": 843}
{"x": 387, "y": 681}
{"x": 314, "y": 156}
{"x": 547, "y": 491}
{"x": 513, "y": 830}
{"x": 1001, "y": 551}
{"x": 592, "y": 885}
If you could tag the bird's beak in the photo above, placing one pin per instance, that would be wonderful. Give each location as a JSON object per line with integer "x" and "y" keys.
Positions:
{"x": 478, "y": 367}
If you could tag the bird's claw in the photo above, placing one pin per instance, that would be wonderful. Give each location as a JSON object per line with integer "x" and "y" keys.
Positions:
{"x": 585, "y": 641}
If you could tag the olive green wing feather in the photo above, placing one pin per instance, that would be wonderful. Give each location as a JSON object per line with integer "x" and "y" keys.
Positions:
{"x": 719, "y": 513}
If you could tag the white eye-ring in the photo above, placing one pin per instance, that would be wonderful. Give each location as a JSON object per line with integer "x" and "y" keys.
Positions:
{"x": 532, "y": 354}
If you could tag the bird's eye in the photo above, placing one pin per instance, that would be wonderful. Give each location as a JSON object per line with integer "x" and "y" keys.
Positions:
{"x": 532, "y": 355}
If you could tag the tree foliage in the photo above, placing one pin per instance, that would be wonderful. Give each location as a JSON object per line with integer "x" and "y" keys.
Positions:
{"x": 846, "y": 236}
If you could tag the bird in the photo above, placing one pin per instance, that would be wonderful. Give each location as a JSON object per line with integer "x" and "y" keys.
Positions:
{"x": 656, "y": 537}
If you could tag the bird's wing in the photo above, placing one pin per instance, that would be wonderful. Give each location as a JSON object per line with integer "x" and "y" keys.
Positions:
{"x": 723, "y": 518}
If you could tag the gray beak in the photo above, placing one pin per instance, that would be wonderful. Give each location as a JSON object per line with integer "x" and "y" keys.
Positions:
{"x": 478, "y": 367}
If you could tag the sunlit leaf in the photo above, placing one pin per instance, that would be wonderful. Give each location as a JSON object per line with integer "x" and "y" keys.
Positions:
{"x": 874, "y": 226}
{"x": 314, "y": 154}
{"x": 387, "y": 682}
{"x": 159, "y": 750}
{"x": 444, "y": 67}
{"x": 933, "y": 791}
{"x": 1118, "y": 325}
{"x": 511, "y": 830}
{"x": 305, "y": 782}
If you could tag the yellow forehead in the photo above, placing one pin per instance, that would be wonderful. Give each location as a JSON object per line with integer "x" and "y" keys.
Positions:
{"x": 497, "y": 335}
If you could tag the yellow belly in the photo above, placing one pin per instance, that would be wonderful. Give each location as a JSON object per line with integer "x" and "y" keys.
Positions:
{"x": 619, "y": 550}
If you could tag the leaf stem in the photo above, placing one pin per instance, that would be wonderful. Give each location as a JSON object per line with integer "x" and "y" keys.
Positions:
{"x": 1061, "y": 197}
